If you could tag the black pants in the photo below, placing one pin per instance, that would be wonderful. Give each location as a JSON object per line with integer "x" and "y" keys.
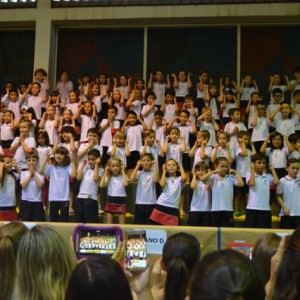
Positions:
{"x": 258, "y": 218}
{"x": 63, "y": 207}
{"x": 86, "y": 211}
{"x": 289, "y": 222}
{"x": 142, "y": 213}
{"x": 32, "y": 211}
{"x": 222, "y": 219}
{"x": 199, "y": 218}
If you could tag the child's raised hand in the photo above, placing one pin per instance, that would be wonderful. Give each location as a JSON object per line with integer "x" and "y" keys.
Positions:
{"x": 45, "y": 115}
{"x": 154, "y": 163}
{"x": 271, "y": 167}
{"x": 107, "y": 169}
{"x": 98, "y": 160}
{"x": 286, "y": 78}
{"x": 13, "y": 163}
{"x": 252, "y": 166}
{"x": 157, "y": 142}
{"x": 232, "y": 172}
{"x": 164, "y": 168}
{"x": 173, "y": 75}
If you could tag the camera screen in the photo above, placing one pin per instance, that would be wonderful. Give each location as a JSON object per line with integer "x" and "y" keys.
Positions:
{"x": 93, "y": 242}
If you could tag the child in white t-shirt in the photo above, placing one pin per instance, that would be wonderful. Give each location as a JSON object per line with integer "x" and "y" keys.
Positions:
{"x": 169, "y": 106}
{"x": 258, "y": 212}
{"x": 149, "y": 109}
{"x": 146, "y": 188}
{"x": 222, "y": 180}
{"x": 200, "y": 209}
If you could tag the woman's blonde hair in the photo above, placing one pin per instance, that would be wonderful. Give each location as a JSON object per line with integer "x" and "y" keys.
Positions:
{"x": 45, "y": 263}
{"x": 10, "y": 236}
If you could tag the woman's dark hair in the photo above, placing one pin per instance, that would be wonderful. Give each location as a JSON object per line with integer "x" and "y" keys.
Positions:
{"x": 98, "y": 278}
{"x": 265, "y": 247}
{"x": 226, "y": 275}
{"x": 287, "y": 282}
{"x": 181, "y": 252}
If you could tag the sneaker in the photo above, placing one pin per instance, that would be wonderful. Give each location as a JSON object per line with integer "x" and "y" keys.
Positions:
{"x": 236, "y": 213}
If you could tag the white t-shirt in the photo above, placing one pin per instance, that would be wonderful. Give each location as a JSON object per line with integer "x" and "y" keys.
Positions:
{"x": 8, "y": 190}
{"x": 146, "y": 188}
{"x": 36, "y": 103}
{"x": 86, "y": 124}
{"x": 116, "y": 187}
{"x": 134, "y": 137}
{"x": 261, "y": 130}
{"x": 6, "y": 133}
{"x": 120, "y": 152}
{"x": 44, "y": 152}
{"x": 197, "y": 158}
{"x": 209, "y": 126}
{"x": 160, "y": 134}
{"x": 246, "y": 93}
{"x": 227, "y": 108}
{"x": 106, "y": 135}
{"x": 59, "y": 188}
{"x": 98, "y": 103}
{"x": 32, "y": 192}
{"x": 20, "y": 155}
{"x": 285, "y": 127}
{"x": 174, "y": 152}
{"x": 289, "y": 188}
{"x": 222, "y": 192}
{"x": 277, "y": 157}
{"x": 170, "y": 195}
{"x": 154, "y": 150}
{"x": 84, "y": 146}
{"x": 159, "y": 91}
{"x": 185, "y": 131}
{"x": 51, "y": 130}
{"x": 242, "y": 162}
{"x": 229, "y": 127}
{"x": 137, "y": 107}
{"x": 121, "y": 111}
{"x": 182, "y": 89}
{"x": 149, "y": 117}
{"x": 201, "y": 200}
{"x": 73, "y": 107}
{"x": 259, "y": 194}
{"x": 170, "y": 112}
{"x": 89, "y": 187}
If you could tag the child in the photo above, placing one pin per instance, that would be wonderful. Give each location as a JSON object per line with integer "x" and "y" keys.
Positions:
{"x": 228, "y": 84}
{"x": 258, "y": 212}
{"x": 75, "y": 101}
{"x": 146, "y": 188}
{"x": 294, "y": 140}
{"x": 8, "y": 183}
{"x": 276, "y": 82}
{"x": 104, "y": 83}
{"x": 222, "y": 180}
{"x": 243, "y": 159}
{"x": 158, "y": 87}
{"x": 23, "y": 145}
{"x": 92, "y": 143}
{"x": 36, "y": 99}
{"x": 134, "y": 103}
{"x": 234, "y": 126}
{"x": 188, "y": 105}
{"x": 60, "y": 172}
{"x": 32, "y": 182}
{"x": 277, "y": 96}
{"x": 124, "y": 87}
{"x": 211, "y": 100}
{"x": 50, "y": 123}
{"x": 248, "y": 87}
{"x": 151, "y": 146}
{"x": 169, "y": 106}
{"x": 14, "y": 103}
{"x": 84, "y": 82}
{"x": 116, "y": 180}
{"x": 40, "y": 76}
{"x": 116, "y": 99}
{"x": 255, "y": 96}
{"x": 228, "y": 101}
{"x": 159, "y": 125}
{"x": 166, "y": 211}
{"x": 207, "y": 122}
{"x": 172, "y": 148}
{"x": 296, "y": 110}
{"x": 7, "y": 127}
{"x": 288, "y": 191}
{"x": 284, "y": 125}
{"x": 67, "y": 139}
{"x": 108, "y": 127}
{"x": 67, "y": 119}
{"x": 182, "y": 84}
{"x": 222, "y": 149}
{"x": 200, "y": 209}
{"x": 93, "y": 94}
{"x": 202, "y": 87}
{"x": 64, "y": 86}
{"x": 89, "y": 173}
{"x": 44, "y": 151}
{"x": 149, "y": 109}
{"x": 27, "y": 114}
{"x": 133, "y": 132}
{"x": 87, "y": 115}
{"x": 201, "y": 151}
{"x": 119, "y": 148}
{"x": 277, "y": 152}
{"x": 260, "y": 124}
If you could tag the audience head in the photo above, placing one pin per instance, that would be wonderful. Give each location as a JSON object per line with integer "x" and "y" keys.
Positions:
{"x": 265, "y": 247}
{"x": 226, "y": 275}
{"x": 45, "y": 263}
{"x": 287, "y": 281}
{"x": 98, "y": 278}
{"x": 10, "y": 236}
{"x": 181, "y": 252}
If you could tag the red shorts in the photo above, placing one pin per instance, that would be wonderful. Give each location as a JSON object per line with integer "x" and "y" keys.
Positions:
{"x": 8, "y": 215}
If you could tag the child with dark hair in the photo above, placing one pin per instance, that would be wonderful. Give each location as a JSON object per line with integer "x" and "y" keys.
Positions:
{"x": 258, "y": 211}
{"x": 169, "y": 106}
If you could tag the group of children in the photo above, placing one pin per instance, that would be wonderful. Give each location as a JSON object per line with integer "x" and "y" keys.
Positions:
{"x": 63, "y": 148}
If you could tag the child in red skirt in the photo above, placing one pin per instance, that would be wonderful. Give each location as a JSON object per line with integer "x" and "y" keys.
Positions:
{"x": 115, "y": 180}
